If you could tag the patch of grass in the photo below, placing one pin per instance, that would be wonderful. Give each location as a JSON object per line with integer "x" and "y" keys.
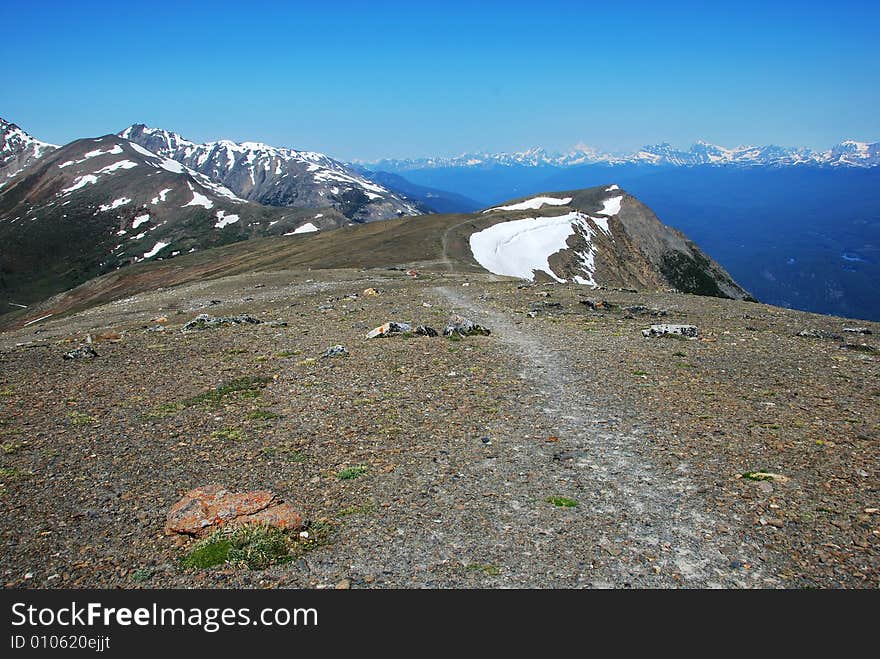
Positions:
{"x": 674, "y": 337}
{"x": 351, "y": 473}
{"x": 485, "y": 568}
{"x": 7, "y": 391}
{"x": 685, "y": 365}
{"x": 640, "y": 373}
{"x": 308, "y": 361}
{"x": 287, "y": 354}
{"x": 454, "y": 337}
{"x": 286, "y": 451}
{"x": 10, "y": 448}
{"x": 679, "y": 353}
{"x": 255, "y": 547}
{"x": 13, "y": 475}
{"x": 757, "y": 476}
{"x": 164, "y": 409}
{"x": 262, "y": 415}
{"x": 246, "y": 387}
{"x": 368, "y": 508}
{"x": 562, "y": 502}
{"x": 80, "y": 419}
{"x": 142, "y": 575}
{"x": 228, "y": 435}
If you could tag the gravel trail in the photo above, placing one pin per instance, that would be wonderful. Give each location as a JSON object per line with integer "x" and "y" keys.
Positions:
{"x": 652, "y": 529}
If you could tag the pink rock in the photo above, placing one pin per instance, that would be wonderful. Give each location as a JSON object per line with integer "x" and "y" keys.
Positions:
{"x": 206, "y": 508}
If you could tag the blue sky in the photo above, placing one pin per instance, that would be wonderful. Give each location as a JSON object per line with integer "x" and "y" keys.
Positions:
{"x": 362, "y": 80}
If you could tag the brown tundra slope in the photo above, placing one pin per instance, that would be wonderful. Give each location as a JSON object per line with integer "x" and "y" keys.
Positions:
{"x": 565, "y": 449}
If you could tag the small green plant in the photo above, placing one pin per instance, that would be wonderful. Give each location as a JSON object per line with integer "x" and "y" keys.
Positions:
{"x": 368, "y": 508}
{"x": 80, "y": 419}
{"x": 7, "y": 391}
{"x": 246, "y": 387}
{"x": 485, "y": 568}
{"x": 351, "y": 473}
{"x": 679, "y": 353}
{"x": 13, "y": 475}
{"x": 287, "y": 354}
{"x": 142, "y": 575}
{"x": 162, "y": 410}
{"x": 9, "y": 448}
{"x": 562, "y": 502}
{"x": 757, "y": 476}
{"x": 262, "y": 415}
{"x": 255, "y": 546}
{"x": 455, "y": 336}
{"x": 228, "y": 435}
{"x": 286, "y": 450}
{"x": 640, "y": 373}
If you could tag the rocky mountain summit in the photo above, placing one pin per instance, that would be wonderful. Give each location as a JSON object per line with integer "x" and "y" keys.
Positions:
{"x": 18, "y": 150}
{"x": 278, "y": 177}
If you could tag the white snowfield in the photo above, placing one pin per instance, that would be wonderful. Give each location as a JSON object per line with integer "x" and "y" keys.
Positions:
{"x": 224, "y": 220}
{"x": 612, "y": 188}
{"x": 611, "y": 206}
{"x": 122, "y": 164}
{"x": 308, "y": 227}
{"x": 139, "y": 220}
{"x": 161, "y": 196}
{"x": 198, "y": 200}
{"x": 156, "y": 249}
{"x": 80, "y": 182}
{"x": 116, "y": 203}
{"x": 520, "y": 247}
{"x": 532, "y": 204}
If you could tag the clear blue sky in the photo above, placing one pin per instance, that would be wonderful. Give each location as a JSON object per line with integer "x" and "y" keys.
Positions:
{"x": 361, "y": 80}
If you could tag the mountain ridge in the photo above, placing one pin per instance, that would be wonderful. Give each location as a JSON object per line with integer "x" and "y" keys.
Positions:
{"x": 276, "y": 176}
{"x": 848, "y": 153}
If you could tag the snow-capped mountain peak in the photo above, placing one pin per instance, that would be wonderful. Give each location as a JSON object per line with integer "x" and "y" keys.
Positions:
{"x": 277, "y": 176}
{"x": 18, "y": 149}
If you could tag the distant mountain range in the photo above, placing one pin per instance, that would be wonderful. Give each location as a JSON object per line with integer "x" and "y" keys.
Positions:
{"x": 848, "y": 153}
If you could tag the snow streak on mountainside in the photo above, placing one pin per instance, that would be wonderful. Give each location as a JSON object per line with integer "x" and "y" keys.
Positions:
{"x": 278, "y": 177}
{"x": 846, "y": 154}
{"x": 18, "y": 150}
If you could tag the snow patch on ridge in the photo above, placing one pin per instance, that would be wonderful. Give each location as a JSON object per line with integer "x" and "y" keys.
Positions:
{"x": 198, "y": 200}
{"x": 308, "y": 227}
{"x": 116, "y": 203}
{"x": 532, "y": 204}
{"x": 611, "y": 206}
{"x": 224, "y": 220}
{"x": 156, "y": 249}
{"x": 520, "y": 247}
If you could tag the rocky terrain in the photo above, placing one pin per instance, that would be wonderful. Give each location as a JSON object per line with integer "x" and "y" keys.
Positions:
{"x": 96, "y": 205}
{"x": 18, "y": 150}
{"x": 564, "y": 449}
{"x": 279, "y": 177}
